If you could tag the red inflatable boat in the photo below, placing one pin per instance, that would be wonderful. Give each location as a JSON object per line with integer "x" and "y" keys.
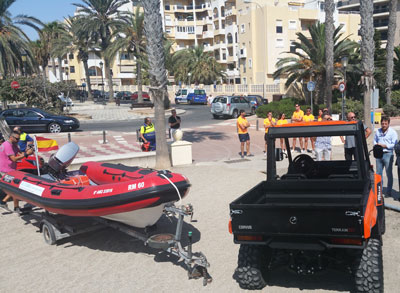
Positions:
{"x": 132, "y": 195}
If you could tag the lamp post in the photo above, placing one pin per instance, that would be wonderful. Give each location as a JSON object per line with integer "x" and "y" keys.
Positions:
{"x": 189, "y": 74}
{"x": 23, "y": 57}
{"x": 263, "y": 40}
{"x": 102, "y": 80}
{"x": 344, "y": 61}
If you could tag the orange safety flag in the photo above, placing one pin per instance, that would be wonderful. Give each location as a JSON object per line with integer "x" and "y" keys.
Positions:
{"x": 46, "y": 144}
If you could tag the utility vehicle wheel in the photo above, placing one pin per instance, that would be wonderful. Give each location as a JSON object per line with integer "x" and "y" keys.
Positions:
{"x": 369, "y": 271}
{"x": 54, "y": 127}
{"x": 215, "y": 116}
{"x": 251, "y": 265}
{"x": 253, "y": 111}
{"x": 48, "y": 233}
{"x": 235, "y": 114}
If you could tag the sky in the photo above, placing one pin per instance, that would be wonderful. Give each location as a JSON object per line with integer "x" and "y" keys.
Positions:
{"x": 45, "y": 10}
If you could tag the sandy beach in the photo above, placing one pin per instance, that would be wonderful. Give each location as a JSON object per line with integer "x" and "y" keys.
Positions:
{"x": 110, "y": 261}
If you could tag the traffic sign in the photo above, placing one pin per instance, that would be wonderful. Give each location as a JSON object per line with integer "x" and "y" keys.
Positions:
{"x": 15, "y": 85}
{"x": 83, "y": 84}
{"x": 311, "y": 86}
{"x": 342, "y": 87}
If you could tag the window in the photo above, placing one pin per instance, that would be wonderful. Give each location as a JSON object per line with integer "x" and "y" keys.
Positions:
{"x": 292, "y": 47}
{"x": 199, "y": 92}
{"x": 125, "y": 56}
{"x": 279, "y": 43}
{"x": 244, "y": 80}
{"x": 32, "y": 114}
{"x": 292, "y": 24}
{"x": 72, "y": 69}
{"x": 190, "y": 29}
{"x": 250, "y": 63}
{"x": 235, "y": 100}
{"x": 279, "y": 28}
{"x": 242, "y": 30}
{"x": 92, "y": 71}
{"x": 277, "y": 80}
{"x": 168, "y": 30}
{"x": 71, "y": 56}
{"x": 293, "y": 7}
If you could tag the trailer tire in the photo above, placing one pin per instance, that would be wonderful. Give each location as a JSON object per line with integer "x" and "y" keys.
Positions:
{"x": 48, "y": 233}
{"x": 369, "y": 268}
{"x": 250, "y": 271}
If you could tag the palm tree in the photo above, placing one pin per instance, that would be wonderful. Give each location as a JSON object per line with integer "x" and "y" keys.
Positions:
{"x": 100, "y": 18}
{"x": 158, "y": 75}
{"x": 203, "y": 66}
{"x": 41, "y": 54}
{"x": 73, "y": 39}
{"x": 390, "y": 48}
{"x": 367, "y": 53}
{"x": 13, "y": 43}
{"x": 309, "y": 59}
{"x": 130, "y": 38}
{"x": 396, "y": 67}
{"x": 329, "y": 30}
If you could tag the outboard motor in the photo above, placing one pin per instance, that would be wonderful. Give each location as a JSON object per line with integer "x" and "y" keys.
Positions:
{"x": 59, "y": 162}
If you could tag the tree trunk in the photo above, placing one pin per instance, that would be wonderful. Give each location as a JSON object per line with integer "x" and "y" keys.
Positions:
{"x": 139, "y": 76}
{"x": 158, "y": 76}
{"x": 53, "y": 68}
{"x": 109, "y": 78}
{"x": 60, "y": 68}
{"x": 367, "y": 54}
{"x": 390, "y": 49}
{"x": 88, "y": 83}
{"x": 329, "y": 30}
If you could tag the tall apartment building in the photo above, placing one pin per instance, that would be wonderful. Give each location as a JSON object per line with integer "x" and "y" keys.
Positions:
{"x": 268, "y": 27}
{"x": 381, "y": 16}
{"x": 208, "y": 23}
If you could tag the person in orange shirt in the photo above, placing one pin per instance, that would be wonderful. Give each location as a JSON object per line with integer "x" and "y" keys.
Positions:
{"x": 281, "y": 121}
{"x": 244, "y": 137}
{"x": 297, "y": 117}
{"x": 308, "y": 117}
{"x": 268, "y": 122}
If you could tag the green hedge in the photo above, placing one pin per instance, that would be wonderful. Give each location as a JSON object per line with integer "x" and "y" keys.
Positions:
{"x": 396, "y": 99}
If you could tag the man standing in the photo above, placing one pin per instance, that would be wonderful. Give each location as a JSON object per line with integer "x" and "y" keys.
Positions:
{"x": 386, "y": 137}
{"x": 174, "y": 123}
{"x": 210, "y": 99}
{"x": 9, "y": 155}
{"x": 308, "y": 117}
{"x": 349, "y": 141}
{"x": 24, "y": 139}
{"x": 297, "y": 117}
{"x": 148, "y": 133}
{"x": 323, "y": 144}
{"x": 244, "y": 137}
{"x": 268, "y": 122}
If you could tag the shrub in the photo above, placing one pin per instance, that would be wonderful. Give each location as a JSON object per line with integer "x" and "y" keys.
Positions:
{"x": 390, "y": 110}
{"x": 396, "y": 99}
{"x": 286, "y": 106}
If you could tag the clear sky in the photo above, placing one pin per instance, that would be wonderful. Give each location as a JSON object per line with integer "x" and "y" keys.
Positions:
{"x": 45, "y": 10}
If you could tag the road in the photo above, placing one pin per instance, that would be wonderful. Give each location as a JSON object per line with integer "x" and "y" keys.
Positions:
{"x": 195, "y": 115}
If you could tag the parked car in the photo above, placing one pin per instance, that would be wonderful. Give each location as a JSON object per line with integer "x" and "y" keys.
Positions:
{"x": 145, "y": 95}
{"x": 230, "y": 106}
{"x": 181, "y": 96}
{"x": 257, "y": 101}
{"x": 34, "y": 119}
{"x": 124, "y": 95}
{"x": 191, "y": 96}
{"x": 67, "y": 102}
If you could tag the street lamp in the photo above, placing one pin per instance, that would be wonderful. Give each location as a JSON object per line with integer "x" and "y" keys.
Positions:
{"x": 189, "y": 74}
{"x": 23, "y": 57}
{"x": 102, "y": 80}
{"x": 344, "y": 61}
{"x": 264, "y": 38}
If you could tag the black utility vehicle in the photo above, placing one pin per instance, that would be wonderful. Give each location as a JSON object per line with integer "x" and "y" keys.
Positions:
{"x": 310, "y": 215}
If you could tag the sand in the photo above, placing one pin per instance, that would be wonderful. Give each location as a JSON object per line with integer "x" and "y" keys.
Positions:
{"x": 110, "y": 261}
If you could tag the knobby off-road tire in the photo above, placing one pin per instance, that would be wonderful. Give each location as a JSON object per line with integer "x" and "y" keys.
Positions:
{"x": 369, "y": 271}
{"x": 251, "y": 267}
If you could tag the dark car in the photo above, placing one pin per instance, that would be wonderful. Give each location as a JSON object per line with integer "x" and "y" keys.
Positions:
{"x": 34, "y": 119}
{"x": 257, "y": 100}
{"x": 146, "y": 96}
{"x": 124, "y": 95}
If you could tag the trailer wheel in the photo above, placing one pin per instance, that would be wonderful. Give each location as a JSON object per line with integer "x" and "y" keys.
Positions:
{"x": 369, "y": 268}
{"x": 48, "y": 233}
{"x": 251, "y": 267}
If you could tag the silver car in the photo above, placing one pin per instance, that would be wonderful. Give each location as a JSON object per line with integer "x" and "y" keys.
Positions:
{"x": 230, "y": 106}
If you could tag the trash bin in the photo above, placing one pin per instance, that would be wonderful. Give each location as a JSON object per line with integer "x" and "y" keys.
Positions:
{"x": 377, "y": 118}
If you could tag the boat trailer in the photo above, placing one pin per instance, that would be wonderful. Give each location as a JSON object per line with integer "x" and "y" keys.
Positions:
{"x": 55, "y": 227}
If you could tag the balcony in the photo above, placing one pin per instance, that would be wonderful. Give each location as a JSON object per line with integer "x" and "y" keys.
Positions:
{"x": 220, "y": 31}
{"x": 381, "y": 23}
{"x": 184, "y": 36}
{"x": 208, "y": 48}
{"x": 220, "y": 45}
{"x": 308, "y": 14}
{"x": 208, "y": 34}
{"x": 187, "y": 8}
{"x": 232, "y": 59}
{"x": 184, "y": 22}
{"x": 348, "y": 4}
{"x": 233, "y": 73}
{"x": 230, "y": 11}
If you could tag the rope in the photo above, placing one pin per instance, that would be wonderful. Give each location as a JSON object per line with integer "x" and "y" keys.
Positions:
{"x": 176, "y": 188}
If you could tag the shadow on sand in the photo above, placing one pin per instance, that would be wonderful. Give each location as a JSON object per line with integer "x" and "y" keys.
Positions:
{"x": 199, "y": 136}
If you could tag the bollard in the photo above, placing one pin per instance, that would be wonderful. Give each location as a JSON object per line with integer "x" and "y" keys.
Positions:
{"x": 257, "y": 125}
{"x": 69, "y": 137}
{"x": 104, "y": 137}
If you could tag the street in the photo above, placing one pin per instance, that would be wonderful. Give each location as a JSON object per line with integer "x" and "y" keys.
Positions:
{"x": 195, "y": 115}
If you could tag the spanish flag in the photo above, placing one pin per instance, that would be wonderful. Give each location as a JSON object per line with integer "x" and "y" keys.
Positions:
{"x": 46, "y": 144}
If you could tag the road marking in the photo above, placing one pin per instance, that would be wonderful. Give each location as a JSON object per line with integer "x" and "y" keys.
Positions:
{"x": 187, "y": 129}
{"x": 205, "y": 127}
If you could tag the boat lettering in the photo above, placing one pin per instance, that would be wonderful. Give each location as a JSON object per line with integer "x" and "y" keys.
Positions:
{"x": 32, "y": 188}
{"x": 8, "y": 178}
{"x": 135, "y": 186}
{"x": 102, "y": 191}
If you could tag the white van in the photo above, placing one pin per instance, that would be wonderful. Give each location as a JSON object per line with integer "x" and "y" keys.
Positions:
{"x": 181, "y": 96}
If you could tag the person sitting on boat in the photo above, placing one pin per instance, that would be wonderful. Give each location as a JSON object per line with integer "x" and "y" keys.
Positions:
{"x": 24, "y": 139}
{"x": 148, "y": 133}
{"x": 9, "y": 155}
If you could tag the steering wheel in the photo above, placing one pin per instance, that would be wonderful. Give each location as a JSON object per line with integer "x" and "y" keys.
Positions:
{"x": 304, "y": 164}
